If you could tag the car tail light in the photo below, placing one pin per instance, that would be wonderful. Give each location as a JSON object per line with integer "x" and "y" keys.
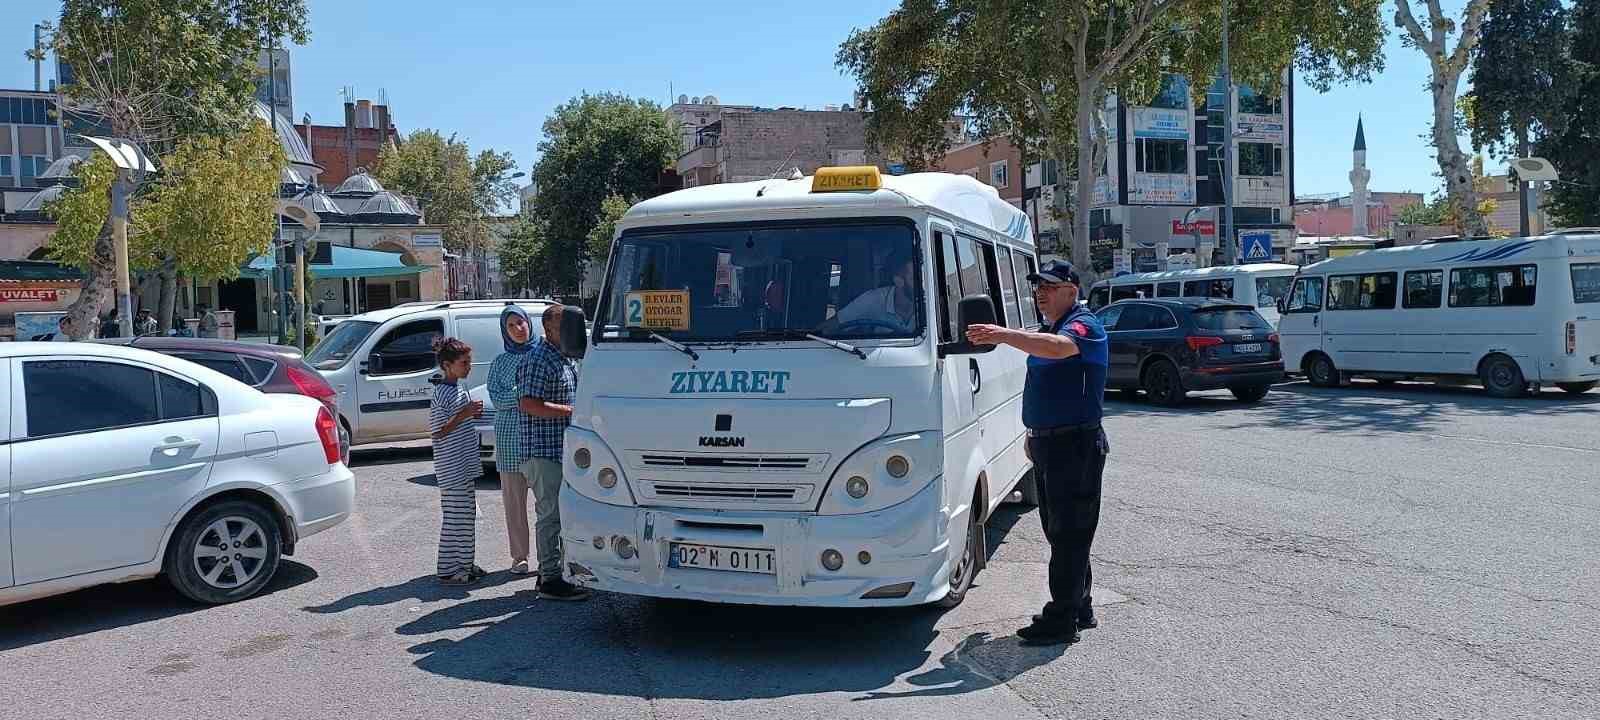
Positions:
{"x": 1201, "y": 342}
{"x": 1572, "y": 337}
{"x": 312, "y": 385}
{"x": 328, "y": 432}
{"x": 1273, "y": 338}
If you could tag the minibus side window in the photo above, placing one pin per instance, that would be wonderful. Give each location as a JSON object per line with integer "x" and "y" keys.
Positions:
{"x": 1586, "y": 283}
{"x": 1372, "y": 291}
{"x": 949, "y": 285}
{"x": 1168, "y": 289}
{"x": 1099, "y": 297}
{"x": 1222, "y": 288}
{"x": 1008, "y": 288}
{"x": 1022, "y": 264}
{"x": 1306, "y": 297}
{"x": 991, "y": 273}
{"x": 1424, "y": 289}
{"x": 1125, "y": 292}
{"x": 1504, "y": 286}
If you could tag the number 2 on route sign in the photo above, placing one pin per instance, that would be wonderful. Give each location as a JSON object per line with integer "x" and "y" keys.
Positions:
{"x": 659, "y": 309}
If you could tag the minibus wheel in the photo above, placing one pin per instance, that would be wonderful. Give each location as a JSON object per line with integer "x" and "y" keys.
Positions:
{"x": 1502, "y": 377}
{"x": 1321, "y": 372}
{"x": 961, "y": 574}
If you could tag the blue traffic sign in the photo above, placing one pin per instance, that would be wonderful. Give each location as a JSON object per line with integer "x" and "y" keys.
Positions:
{"x": 1255, "y": 246}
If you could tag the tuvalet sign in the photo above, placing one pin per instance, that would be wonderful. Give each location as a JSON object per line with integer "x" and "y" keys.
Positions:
{"x": 29, "y": 295}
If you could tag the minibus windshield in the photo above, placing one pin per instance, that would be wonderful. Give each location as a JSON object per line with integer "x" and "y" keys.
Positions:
{"x": 841, "y": 280}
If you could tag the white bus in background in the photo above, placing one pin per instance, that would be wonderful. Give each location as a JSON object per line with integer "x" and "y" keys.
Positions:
{"x": 1514, "y": 314}
{"x": 757, "y": 420}
{"x": 1259, "y": 285}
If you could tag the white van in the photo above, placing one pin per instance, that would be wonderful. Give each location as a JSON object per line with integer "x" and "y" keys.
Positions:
{"x": 1512, "y": 313}
{"x": 776, "y": 410}
{"x": 1259, "y": 285}
{"x": 380, "y": 362}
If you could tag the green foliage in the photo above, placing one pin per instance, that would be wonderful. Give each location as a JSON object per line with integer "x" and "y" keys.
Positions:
{"x": 611, "y": 211}
{"x": 81, "y": 213}
{"x": 159, "y": 70}
{"x": 1575, "y": 149}
{"x": 595, "y": 147}
{"x": 212, "y": 206}
{"x": 1432, "y": 212}
{"x": 522, "y": 255}
{"x": 1518, "y": 77}
{"x": 455, "y": 189}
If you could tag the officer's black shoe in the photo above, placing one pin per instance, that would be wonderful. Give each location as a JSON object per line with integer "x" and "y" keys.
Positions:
{"x": 1048, "y": 633}
{"x": 1085, "y": 622}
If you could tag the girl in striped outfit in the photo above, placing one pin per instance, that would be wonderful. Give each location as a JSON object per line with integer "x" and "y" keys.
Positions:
{"x": 456, "y": 466}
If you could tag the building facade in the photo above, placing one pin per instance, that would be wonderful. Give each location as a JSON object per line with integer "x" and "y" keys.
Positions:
{"x": 30, "y": 137}
{"x": 1165, "y": 159}
{"x": 344, "y": 150}
{"x": 743, "y": 144}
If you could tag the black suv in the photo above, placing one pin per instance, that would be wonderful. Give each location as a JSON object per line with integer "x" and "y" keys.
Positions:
{"x": 1170, "y": 346}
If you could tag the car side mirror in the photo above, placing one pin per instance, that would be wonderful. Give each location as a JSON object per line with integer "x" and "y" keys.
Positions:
{"x": 972, "y": 310}
{"x": 1283, "y": 304}
{"x": 574, "y": 341}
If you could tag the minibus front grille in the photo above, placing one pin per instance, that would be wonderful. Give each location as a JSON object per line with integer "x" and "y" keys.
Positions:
{"x": 727, "y": 462}
{"x": 725, "y": 492}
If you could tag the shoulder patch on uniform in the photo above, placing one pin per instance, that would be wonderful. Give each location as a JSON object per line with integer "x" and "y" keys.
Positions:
{"x": 1078, "y": 328}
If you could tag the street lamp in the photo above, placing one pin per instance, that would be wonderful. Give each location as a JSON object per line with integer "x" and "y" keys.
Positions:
{"x": 128, "y": 158}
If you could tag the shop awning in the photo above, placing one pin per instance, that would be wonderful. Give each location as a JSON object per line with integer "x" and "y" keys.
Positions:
{"x": 348, "y": 262}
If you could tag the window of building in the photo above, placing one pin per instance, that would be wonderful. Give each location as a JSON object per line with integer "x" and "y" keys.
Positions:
{"x": 1050, "y": 173}
{"x": 5, "y": 166}
{"x": 1372, "y": 291}
{"x": 1504, "y": 286}
{"x": 1424, "y": 289}
{"x": 33, "y": 166}
{"x": 1153, "y": 155}
{"x": 1260, "y": 159}
{"x": 1245, "y": 216}
{"x": 1174, "y": 93}
{"x": 1000, "y": 174}
{"x": 1256, "y": 103}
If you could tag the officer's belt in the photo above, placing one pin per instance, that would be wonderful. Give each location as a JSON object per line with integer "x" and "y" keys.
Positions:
{"x": 1064, "y": 430}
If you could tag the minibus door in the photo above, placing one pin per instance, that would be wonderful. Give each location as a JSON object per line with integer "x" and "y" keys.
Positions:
{"x": 1300, "y": 327}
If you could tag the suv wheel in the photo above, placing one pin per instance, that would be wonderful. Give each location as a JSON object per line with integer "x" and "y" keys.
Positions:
{"x": 1249, "y": 393}
{"x": 1162, "y": 384}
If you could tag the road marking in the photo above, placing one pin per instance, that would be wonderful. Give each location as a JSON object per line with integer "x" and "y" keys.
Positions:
{"x": 1512, "y": 443}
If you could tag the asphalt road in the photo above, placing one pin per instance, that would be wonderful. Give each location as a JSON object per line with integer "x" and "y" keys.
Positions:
{"x": 1361, "y": 553}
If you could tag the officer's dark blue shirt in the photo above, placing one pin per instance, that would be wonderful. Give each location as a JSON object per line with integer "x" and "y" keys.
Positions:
{"x": 1068, "y": 391}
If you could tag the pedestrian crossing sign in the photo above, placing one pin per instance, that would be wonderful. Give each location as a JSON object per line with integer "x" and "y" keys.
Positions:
{"x": 1255, "y": 246}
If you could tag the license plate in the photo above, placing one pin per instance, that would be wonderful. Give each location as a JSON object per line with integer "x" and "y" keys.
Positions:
{"x": 716, "y": 557}
{"x": 1245, "y": 348}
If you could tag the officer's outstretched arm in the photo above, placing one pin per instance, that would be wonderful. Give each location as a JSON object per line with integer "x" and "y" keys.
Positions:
{"x": 1042, "y": 345}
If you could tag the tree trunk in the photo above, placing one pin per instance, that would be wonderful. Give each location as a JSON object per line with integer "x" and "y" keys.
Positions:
{"x": 1082, "y": 260}
{"x": 99, "y": 284}
{"x": 1453, "y": 163}
{"x": 168, "y": 302}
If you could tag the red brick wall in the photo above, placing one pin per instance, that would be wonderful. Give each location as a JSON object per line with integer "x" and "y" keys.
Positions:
{"x": 340, "y": 155}
{"x": 964, "y": 159}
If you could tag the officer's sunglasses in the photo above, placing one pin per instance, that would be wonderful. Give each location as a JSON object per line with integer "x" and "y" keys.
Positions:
{"x": 1041, "y": 287}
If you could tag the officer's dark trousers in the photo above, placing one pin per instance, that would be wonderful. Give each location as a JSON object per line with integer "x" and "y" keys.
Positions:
{"x": 1067, "y": 468}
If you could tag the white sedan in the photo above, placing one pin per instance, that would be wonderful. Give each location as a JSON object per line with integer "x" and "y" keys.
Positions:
{"x": 120, "y": 463}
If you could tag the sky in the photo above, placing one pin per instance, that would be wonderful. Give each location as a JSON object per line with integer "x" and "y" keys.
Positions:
{"x": 491, "y": 71}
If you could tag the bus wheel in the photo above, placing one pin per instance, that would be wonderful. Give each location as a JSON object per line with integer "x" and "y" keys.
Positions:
{"x": 961, "y": 574}
{"x": 1502, "y": 377}
{"x": 1578, "y": 388}
{"x": 1321, "y": 372}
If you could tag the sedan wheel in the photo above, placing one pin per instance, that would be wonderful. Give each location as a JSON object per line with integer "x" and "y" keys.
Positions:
{"x": 224, "y": 553}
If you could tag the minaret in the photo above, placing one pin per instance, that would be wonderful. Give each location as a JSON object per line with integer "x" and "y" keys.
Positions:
{"x": 1359, "y": 175}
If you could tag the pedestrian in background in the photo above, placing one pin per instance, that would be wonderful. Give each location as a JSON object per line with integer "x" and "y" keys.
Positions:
{"x": 456, "y": 465}
{"x": 1062, "y": 407}
{"x": 547, "y": 394}
{"x": 513, "y": 430}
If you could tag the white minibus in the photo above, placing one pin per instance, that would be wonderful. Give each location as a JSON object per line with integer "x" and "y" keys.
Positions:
{"x": 1259, "y": 285}
{"x": 777, "y": 405}
{"x": 1514, "y": 314}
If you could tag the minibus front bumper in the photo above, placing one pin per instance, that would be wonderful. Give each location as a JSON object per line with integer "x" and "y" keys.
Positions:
{"x": 629, "y": 549}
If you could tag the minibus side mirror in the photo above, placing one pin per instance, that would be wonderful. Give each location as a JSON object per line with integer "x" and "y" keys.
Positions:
{"x": 973, "y": 310}
{"x": 574, "y": 339}
{"x": 1283, "y": 304}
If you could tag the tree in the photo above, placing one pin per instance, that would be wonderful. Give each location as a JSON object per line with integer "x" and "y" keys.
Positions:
{"x": 1446, "y": 65}
{"x": 1575, "y": 148}
{"x": 212, "y": 206}
{"x": 523, "y": 260}
{"x": 455, "y": 189}
{"x": 1042, "y": 70}
{"x": 152, "y": 72}
{"x": 595, "y": 147}
{"x": 605, "y": 228}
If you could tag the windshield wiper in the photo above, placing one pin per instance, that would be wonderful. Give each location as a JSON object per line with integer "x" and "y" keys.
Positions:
{"x": 798, "y": 334}
{"x": 675, "y": 345}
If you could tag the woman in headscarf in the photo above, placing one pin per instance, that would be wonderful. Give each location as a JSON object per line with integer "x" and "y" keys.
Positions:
{"x": 513, "y": 431}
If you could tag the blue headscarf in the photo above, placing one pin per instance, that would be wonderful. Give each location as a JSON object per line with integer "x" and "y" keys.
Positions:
{"x": 511, "y": 345}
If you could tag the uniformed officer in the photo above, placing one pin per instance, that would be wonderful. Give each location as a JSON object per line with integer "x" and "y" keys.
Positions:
{"x": 1061, "y": 406}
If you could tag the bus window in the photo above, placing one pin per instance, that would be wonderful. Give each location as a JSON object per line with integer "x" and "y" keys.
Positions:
{"x": 1372, "y": 291}
{"x": 1306, "y": 296}
{"x": 1022, "y": 264}
{"x": 1222, "y": 288}
{"x": 1586, "y": 283}
{"x": 1130, "y": 292}
{"x": 1099, "y": 297}
{"x": 1424, "y": 289}
{"x": 1510, "y": 285}
{"x": 1269, "y": 290}
{"x": 1169, "y": 289}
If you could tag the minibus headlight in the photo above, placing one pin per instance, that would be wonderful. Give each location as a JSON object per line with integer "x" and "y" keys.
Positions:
{"x": 897, "y": 466}
{"x": 581, "y": 458}
{"x": 857, "y": 487}
{"x": 593, "y": 471}
{"x": 607, "y": 478}
{"x": 880, "y": 474}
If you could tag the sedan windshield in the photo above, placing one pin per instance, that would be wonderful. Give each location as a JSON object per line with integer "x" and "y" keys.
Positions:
{"x": 335, "y": 349}
{"x": 847, "y": 280}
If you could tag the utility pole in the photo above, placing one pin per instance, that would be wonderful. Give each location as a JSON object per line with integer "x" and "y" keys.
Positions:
{"x": 1227, "y": 230}
{"x": 119, "y": 238}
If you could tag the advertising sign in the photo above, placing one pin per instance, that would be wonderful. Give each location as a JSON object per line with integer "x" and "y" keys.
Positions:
{"x": 1268, "y": 128}
{"x": 427, "y": 240}
{"x": 1161, "y": 123}
{"x": 1148, "y": 189}
{"x": 1206, "y": 227}
{"x": 38, "y": 325}
{"x": 29, "y": 295}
